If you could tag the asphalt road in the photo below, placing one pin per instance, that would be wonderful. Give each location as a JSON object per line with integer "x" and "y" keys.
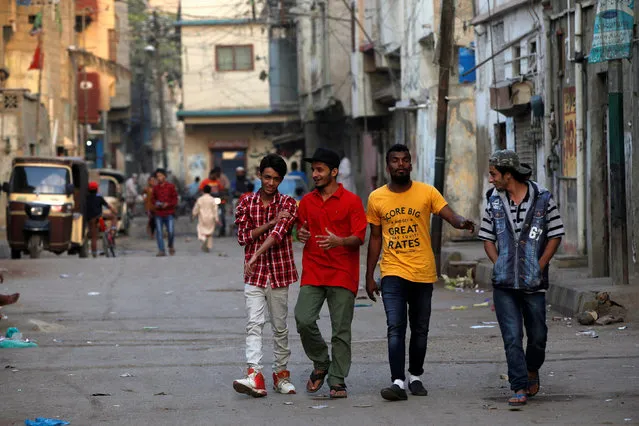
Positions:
{"x": 174, "y": 327}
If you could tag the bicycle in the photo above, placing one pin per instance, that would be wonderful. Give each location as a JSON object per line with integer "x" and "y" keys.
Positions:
{"x": 108, "y": 239}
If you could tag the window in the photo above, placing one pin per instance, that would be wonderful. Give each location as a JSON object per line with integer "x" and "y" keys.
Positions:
{"x": 40, "y": 180}
{"x": 532, "y": 56}
{"x": 234, "y": 58}
{"x": 516, "y": 61}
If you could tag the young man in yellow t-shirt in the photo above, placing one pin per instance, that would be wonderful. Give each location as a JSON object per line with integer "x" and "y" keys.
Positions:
{"x": 399, "y": 216}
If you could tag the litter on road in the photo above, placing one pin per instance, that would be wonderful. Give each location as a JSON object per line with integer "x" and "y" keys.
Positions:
{"x": 363, "y": 305}
{"x": 42, "y": 421}
{"x": 588, "y": 333}
{"x": 481, "y": 305}
{"x": 100, "y": 394}
{"x": 288, "y": 403}
{"x": 489, "y": 322}
{"x": 93, "y": 293}
{"x": 319, "y": 407}
{"x": 482, "y": 326}
{"x": 150, "y": 328}
{"x": 622, "y": 328}
{"x": 458, "y": 308}
{"x": 126, "y": 375}
{"x": 13, "y": 339}
{"x": 64, "y": 275}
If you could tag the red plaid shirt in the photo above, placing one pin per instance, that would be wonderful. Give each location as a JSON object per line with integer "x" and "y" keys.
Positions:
{"x": 165, "y": 193}
{"x": 276, "y": 265}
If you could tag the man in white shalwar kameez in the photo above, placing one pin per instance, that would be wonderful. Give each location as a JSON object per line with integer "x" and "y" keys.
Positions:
{"x": 345, "y": 175}
{"x": 206, "y": 211}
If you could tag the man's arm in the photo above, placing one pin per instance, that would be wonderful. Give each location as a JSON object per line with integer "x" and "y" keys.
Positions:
{"x": 457, "y": 221}
{"x": 549, "y": 252}
{"x": 491, "y": 250}
{"x": 374, "y": 250}
{"x": 358, "y": 230}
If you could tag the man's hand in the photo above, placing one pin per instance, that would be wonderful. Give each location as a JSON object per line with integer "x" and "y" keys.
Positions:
{"x": 303, "y": 234}
{"x": 542, "y": 264}
{"x": 329, "y": 241}
{"x": 249, "y": 267}
{"x": 371, "y": 288}
{"x": 281, "y": 215}
{"x": 467, "y": 224}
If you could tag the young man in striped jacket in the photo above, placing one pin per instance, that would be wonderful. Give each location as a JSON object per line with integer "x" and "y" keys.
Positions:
{"x": 522, "y": 230}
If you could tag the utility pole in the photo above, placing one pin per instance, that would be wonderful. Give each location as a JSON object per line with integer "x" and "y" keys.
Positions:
{"x": 446, "y": 32}
{"x": 160, "y": 87}
{"x": 618, "y": 217}
{"x": 35, "y": 143}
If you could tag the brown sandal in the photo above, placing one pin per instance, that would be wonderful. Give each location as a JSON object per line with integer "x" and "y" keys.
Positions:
{"x": 533, "y": 383}
{"x": 338, "y": 391}
{"x": 316, "y": 380}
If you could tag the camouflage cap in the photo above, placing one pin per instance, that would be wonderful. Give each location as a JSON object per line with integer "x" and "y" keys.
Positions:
{"x": 508, "y": 158}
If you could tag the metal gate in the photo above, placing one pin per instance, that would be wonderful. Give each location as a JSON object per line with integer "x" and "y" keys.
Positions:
{"x": 525, "y": 144}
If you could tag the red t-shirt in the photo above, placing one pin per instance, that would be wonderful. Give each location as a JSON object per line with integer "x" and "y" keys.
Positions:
{"x": 165, "y": 193}
{"x": 342, "y": 214}
{"x": 216, "y": 185}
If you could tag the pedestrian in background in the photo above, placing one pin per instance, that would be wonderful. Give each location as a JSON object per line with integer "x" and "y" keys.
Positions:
{"x": 522, "y": 229}
{"x": 345, "y": 176}
{"x": 264, "y": 220}
{"x": 332, "y": 226}
{"x": 149, "y": 208}
{"x": 165, "y": 199}
{"x": 206, "y": 212}
{"x": 131, "y": 193}
{"x": 399, "y": 215}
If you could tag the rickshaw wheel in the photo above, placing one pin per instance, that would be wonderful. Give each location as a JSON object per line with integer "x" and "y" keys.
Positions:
{"x": 35, "y": 246}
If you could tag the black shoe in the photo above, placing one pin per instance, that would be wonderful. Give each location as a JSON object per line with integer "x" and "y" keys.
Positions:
{"x": 394, "y": 393}
{"x": 417, "y": 388}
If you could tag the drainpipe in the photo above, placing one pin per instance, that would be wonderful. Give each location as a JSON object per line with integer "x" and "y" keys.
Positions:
{"x": 579, "y": 101}
{"x": 548, "y": 101}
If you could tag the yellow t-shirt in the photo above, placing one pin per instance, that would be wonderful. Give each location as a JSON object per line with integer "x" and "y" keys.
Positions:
{"x": 405, "y": 221}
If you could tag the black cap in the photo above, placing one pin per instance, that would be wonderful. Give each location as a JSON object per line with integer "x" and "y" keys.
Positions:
{"x": 327, "y": 156}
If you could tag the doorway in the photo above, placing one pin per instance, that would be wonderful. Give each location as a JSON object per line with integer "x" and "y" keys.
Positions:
{"x": 228, "y": 161}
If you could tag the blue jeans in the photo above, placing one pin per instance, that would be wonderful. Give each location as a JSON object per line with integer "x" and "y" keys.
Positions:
{"x": 169, "y": 222}
{"x": 516, "y": 310}
{"x": 399, "y": 296}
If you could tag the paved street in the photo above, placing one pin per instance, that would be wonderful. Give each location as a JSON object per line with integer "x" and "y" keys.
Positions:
{"x": 177, "y": 326}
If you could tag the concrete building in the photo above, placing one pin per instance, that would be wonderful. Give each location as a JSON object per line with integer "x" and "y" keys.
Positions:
{"x": 537, "y": 94}
{"x": 102, "y": 77}
{"x": 394, "y": 97}
{"x": 325, "y": 79}
{"x": 234, "y": 107}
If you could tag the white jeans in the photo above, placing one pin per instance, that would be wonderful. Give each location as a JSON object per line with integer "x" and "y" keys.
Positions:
{"x": 257, "y": 300}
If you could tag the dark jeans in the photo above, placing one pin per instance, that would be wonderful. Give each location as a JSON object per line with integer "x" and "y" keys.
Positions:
{"x": 399, "y": 296}
{"x": 516, "y": 310}
{"x": 169, "y": 222}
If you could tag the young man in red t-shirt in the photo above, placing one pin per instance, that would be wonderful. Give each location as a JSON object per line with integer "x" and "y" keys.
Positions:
{"x": 165, "y": 199}
{"x": 332, "y": 226}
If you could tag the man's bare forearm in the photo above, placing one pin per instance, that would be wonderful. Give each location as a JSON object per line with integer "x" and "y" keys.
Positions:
{"x": 374, "y": 249}
{"x": 257, "y": 232}
{"x": 491, "y": 251}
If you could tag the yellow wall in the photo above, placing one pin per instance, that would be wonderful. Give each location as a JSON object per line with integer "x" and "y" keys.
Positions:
{"x": 57, "y": 89}
{"x": 206, "y": 89}
{"x": 95, "y": 39}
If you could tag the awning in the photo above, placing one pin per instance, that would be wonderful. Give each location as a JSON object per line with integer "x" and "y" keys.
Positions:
{"x": 88, "y": 7}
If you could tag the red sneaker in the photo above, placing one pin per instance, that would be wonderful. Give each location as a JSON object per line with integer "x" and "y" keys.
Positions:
{"x": 253, "y": 384}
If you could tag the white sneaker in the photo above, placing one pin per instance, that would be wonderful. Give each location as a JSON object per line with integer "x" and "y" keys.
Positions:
{"x": 282, "y": 382}
{"x": 253, "y": 384}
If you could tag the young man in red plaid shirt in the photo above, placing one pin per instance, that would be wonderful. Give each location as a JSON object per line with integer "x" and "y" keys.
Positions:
{"x": 264, "y": 220}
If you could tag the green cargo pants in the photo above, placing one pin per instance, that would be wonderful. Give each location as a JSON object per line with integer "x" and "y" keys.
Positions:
{"x": 341, "y": 303}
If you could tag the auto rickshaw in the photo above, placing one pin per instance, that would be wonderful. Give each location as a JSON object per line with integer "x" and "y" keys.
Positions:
{"x": 46, "y": 206}
{"x": 112, "y": 184}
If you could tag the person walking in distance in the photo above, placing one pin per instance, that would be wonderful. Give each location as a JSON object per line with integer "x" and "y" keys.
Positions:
{"x": 149, "y": 207}
{"x": 131, "y": 189}
{"x": 165, "y": 199}
{"x": 399, "y": 215}
{"x": 264, "y": 220}
{"x": 205, "y": 210}
{"x": 332, "y": 226}
{"x": 522, "y": 229}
